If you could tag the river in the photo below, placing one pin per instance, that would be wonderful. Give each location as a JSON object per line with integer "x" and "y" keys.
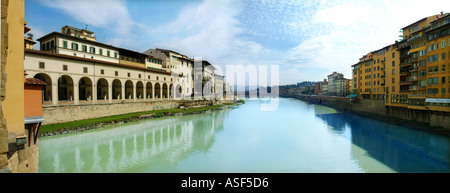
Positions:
{"x": 296, "y": 138}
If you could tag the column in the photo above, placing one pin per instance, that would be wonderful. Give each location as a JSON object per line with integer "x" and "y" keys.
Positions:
{"x": 110, "y": 94}
{"x": 55, "y": 92}
{"x": 134, "y": 91}
{"x": 123, "y": 92}
{"x": 76, "y": 95}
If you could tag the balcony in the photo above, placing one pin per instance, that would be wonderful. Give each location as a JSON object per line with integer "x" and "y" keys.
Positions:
{"x": 412, "y": 78}
{"x": 412, "y": 69}
{"x": 413, "y": 87}
{"x": 417, "y": 96}
{"x": 415, "y": 38}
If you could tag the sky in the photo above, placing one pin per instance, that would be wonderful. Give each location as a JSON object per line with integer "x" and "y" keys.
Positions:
{"x": 306, "y": 39}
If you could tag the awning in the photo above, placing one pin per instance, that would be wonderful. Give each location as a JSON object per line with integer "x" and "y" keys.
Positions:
{"x": 437, "y": 100}
{"x": 352, "y": 95}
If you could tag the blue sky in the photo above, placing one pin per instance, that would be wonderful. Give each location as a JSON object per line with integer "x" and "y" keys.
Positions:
{"x": 307, "y": 39}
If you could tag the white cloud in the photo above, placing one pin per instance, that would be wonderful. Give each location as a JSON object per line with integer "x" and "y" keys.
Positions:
{"x": 109, "y": 14}
{"x": 211, "y": 30}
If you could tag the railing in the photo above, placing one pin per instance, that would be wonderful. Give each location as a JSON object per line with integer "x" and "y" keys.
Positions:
{"x": 415, "y": 38}
{"x": 413, "y": 68}
{"x": 413, "y": 87}
{"x": 412, "y": 78}
{"x": 417, "y": 95}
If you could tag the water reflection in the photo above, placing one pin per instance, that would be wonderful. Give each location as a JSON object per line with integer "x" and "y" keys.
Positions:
{"x": 402, "y": 149}
{"x": 138, "y": 147}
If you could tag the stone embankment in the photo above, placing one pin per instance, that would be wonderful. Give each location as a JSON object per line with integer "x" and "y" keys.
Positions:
{"x": 183, "y": 108}
{"x": 431, "y": 121}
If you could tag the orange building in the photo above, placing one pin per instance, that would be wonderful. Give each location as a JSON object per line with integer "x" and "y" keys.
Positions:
{"x": 33, "y": 108}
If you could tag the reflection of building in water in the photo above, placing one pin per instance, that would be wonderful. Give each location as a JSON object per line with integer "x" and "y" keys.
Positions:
{"x": 402, "y": 149}
{"x": 131, "y": 148}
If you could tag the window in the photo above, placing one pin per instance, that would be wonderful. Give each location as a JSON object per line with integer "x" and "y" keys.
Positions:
{"x": 64, "y": 44}
{"x": 433, "y": 47}
{"x": 92, "y": 50}
{"x": 115, "y": 54}
{"x": 157, "y": 78}
{"x": 433, "y": 91}
{"x": 423, "y": 83}
{"x": 100, "y": 51}
{"x": 393, "y": 54}
{"x": 64, "y": 67}
{"x": 52, "y": 44}
{"x": 116, "y": 73}
{"x": 432, "y": 69}
{"x": 148, "y": 76}
{"x": 393, "y": 89}
{"x": 432, "y": 81}
{"x": 443, "y": 56}
{"x": 443, "y": 67}
{"x": 393, "y": 71}
{"x": 422, "y": 52}
{"x": 108, "y": 53}
{"x": 85, "y": 70}
{"x": 102, "y": 71}
{"x": 128, "y": 74}
{"x": 443, "y": 90}
{"x": 393, "y": 80}
{"x": 422, "y": 73}
{"x": 443, "y": 44}
{"x": 84, "y": 48}
{"x": 41, "y": 65}
{"x": 139, "y": 76}
{"x": 433, "y": 58}
{"x": 393, "y": 63}
{"x": 422, "y": 62}
{"x": 74, "y": 46}
{"x": 443, "y": 80}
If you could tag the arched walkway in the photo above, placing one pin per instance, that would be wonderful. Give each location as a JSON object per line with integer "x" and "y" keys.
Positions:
{"x": 46, "y": 89}
{"x": 85, "y": 89}
{"x": 102, "y": 89}
{"x": 157, "y": 91}
{"x": 178, "y": 90}
{"x": 164, "y": 90}
{"x": 129, "y": 89}
{"x": 65, "y": 88}
{"x": 140, "y": 90}
{"x": 171, "y": 91}
{"x": 117, "y": 89}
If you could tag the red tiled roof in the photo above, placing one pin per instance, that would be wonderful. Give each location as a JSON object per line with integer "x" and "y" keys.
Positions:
{"x": 35, "y": 81}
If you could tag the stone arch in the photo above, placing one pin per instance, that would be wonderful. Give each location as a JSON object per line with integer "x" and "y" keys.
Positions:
{"x": 117, "y": 89}
{"x": 164, "y": 90}
{"x": 85, "y": 89}
{"x": 65, "y": 88}
{"x": 157, "y": 90}
{"x": 139, "y": 90}
{"x": 178, "y": 91}
{"x": 46, "y": 89}
{"x": 171, "y": 93}
{"x": 102, "y": 89}
{"x": 129, "y": 89}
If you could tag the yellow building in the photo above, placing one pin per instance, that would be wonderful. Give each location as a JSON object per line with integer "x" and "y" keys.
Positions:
{"x": 15, "y": 154}
{"x": 392, "y": 75}
{"x": 436, "y": 72}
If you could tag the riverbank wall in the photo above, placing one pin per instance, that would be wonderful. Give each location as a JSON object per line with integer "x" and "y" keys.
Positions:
{"x": 433, "y": 121}
{"x": 67, "y": 113}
